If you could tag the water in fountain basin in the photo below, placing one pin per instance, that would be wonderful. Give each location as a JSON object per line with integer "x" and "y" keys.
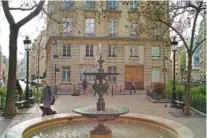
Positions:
{"x": 119, "y": 130}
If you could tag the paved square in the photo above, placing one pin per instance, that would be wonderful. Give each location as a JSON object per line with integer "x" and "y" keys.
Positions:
{"x": 136, "y": 103}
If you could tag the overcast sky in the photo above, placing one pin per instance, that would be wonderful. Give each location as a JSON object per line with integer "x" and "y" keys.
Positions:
{"x": 31, "y": 29}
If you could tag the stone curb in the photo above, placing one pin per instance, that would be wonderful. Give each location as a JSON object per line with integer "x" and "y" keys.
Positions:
{"x": 155, "y": 101}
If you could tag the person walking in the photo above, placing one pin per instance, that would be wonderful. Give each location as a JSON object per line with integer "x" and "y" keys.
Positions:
{"x": 47, "y": 98}
{"x": 84, "y": 85}
{"x": 132, "y": 87}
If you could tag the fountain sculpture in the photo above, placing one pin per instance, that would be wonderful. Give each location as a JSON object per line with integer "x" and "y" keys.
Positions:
{"x": 101, "y": 112}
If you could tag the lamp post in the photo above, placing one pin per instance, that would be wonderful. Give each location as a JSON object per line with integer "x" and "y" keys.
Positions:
{"x": 174, "y": 44}
{"x": 27, "y": 45}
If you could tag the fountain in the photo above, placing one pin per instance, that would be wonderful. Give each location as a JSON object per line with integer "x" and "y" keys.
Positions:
{"x": 81, "y": 123}
{"x": 101, "y": 112}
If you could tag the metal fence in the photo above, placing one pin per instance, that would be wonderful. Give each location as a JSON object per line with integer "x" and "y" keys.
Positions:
{"x": 198, "y": 105}
{"x": 2, "y": 101}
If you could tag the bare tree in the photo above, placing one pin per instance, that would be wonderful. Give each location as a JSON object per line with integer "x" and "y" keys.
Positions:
{"x": 183, "y": 17}
{"x": 9, "y": 109}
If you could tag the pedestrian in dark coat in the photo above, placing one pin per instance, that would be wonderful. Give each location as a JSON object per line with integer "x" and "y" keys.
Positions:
{"x": 47, "y": 98}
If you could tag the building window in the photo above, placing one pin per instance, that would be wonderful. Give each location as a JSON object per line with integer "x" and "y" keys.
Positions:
{"x": 133, "y": 51}
{"x": 67, "y": 4}
{"x": 89, "y": 27}
{"x": 90, "y": 4}
{"x": 89, "y": 51}
{"x": 196, "y": 59}
{"x": 66, "y": 75}
{"x": 155, "y": 74}
{"x": 134, "y": 5}
{"x": 112, "y": 51}
{"x": 112, "y": 4}
{"x": 66, "y": 50}
{"x": 112, "y": 23}
{"x": 67, "y": 26}
{"x": 112, "y": 69}
{"x": 156, "y": 51}
{"x": 90, "y": 79}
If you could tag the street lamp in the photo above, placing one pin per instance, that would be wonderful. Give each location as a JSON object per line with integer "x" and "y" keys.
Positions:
{"x": 174, "y": 44}
{"x": 27, "y": 45}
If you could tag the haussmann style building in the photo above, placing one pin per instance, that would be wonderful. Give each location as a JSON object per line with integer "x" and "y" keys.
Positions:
{"x": 88, "y": 28}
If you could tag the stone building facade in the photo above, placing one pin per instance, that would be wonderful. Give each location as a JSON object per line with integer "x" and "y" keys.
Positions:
{"x": 202, "y": 49}
{"x": 74, "y": 46}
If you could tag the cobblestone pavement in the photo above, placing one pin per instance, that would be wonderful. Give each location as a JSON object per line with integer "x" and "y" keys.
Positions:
{"x": 136, "y": 103}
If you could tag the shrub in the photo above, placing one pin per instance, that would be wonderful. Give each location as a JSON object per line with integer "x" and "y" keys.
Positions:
{"x": 35, "y": 94}
{"x": 179, "y": 87}
{"x": 158, "y": 88}
{"x": 199, "y": 93}
{"x": 3, "y": 90}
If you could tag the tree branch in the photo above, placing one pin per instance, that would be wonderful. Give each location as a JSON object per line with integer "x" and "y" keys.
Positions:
{"x": 23, "y": 9}
{"x": 181, "y": 37}
{"x": 32, "y": 14}
{"x": 10, "y": 19}
{"x": 193, "y": 29}
{"x": 198, "y": 44}
{"x": 50, "y": 16}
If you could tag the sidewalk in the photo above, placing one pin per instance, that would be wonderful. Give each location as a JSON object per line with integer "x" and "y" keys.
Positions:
{"x": 136, "y": 103}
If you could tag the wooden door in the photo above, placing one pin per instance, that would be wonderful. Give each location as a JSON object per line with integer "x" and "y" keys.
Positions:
{"x": 137, "y": 74}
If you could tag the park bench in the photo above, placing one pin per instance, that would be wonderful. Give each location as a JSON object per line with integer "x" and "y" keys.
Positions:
{"x": 32, "y": 99}
{"x": 179, "y": 104}
{"x": 20, "y": 104}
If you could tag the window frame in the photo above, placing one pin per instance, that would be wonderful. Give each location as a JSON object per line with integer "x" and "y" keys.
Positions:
{"x": 88, "y": 6}
{"x": 68, "y": 1}
{"x": 112, "y": 51}
{"x": 155, "y": 51}
{"x": 67, "y": 50}
{"x": 67, "y": 29}
{"x": 135, "y": 52}
{"x": 156, "y": 70}
{"x": 90, "y": 52}
{"x": 112, "y": 69}
{"x": 134, "y": 5}
{"x": 112, "y": 27}
{"x": 90, "y": 79}
{"x": 67, "y": 80}
{"x": 113, "y": 3}
{"x": 89, "y": 30}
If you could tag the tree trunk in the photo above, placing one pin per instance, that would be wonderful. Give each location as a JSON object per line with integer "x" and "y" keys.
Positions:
{"x": 9, "y": 110}
{"x": 188, "y": 100}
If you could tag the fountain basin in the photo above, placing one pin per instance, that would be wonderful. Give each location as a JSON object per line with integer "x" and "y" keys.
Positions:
{"x": 91, "y": 111}
{"x": 31, "y": 127}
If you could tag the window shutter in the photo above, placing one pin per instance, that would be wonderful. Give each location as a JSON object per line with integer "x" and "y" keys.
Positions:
{"x": 91, "y": 50}
{"x": 68, "y": 76}
{"x": 69, "y": 50}
{"x": 87, "y": 50}
{"x": 109, "y": 50}
{"x": 64, "y": 50}
{"x": 63, "y": 76}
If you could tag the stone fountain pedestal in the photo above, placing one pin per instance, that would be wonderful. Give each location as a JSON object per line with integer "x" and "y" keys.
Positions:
{"x": 100, "y": 112}
{"x": 100, "y": 131}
